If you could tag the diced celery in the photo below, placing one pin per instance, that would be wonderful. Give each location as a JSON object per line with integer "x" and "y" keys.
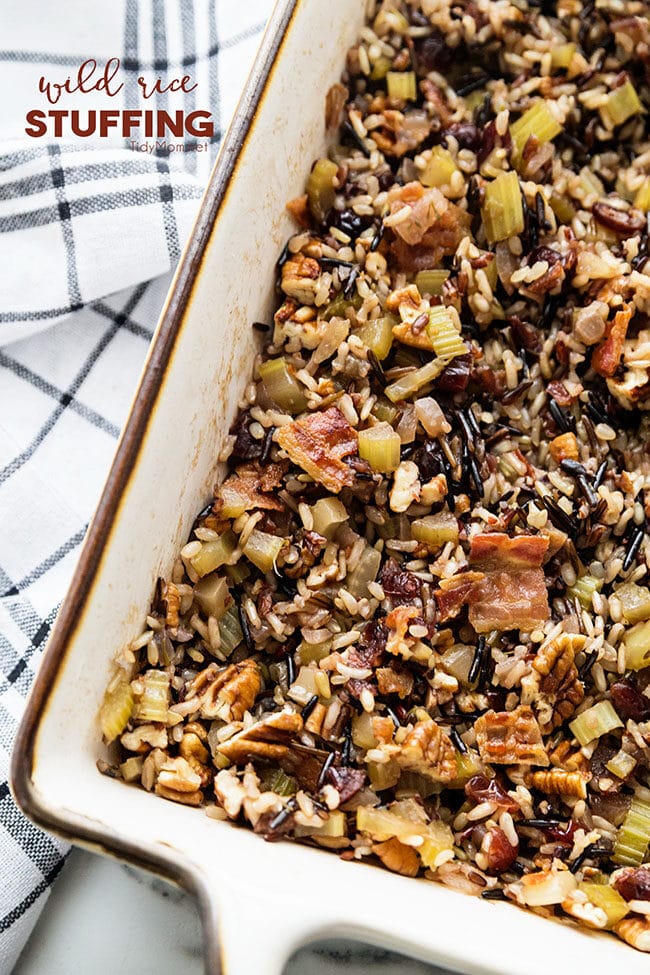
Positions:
{"x": 444, "y": 335}
{"x": 538, "y": 121}
{"x": 439, "y": 169}
{"x": 412, "y": 382}
{"x": 436, "y": 530}
{"x": 365, "y": 571}
{"x": 380, "y": 446}
{"x": 339, "y": 305}
{"x": 237, "y": 573}
{"x": 438, "y": 839}
{"x": 562, "y": 55}
{"x": 321, "y": 192}
{"x": 380, "y": 68}
{"x": 212, "y": 594}
{"x": 383, "y": 775}
{"x": 607, "y": 899}
{"x": 562, "y": 208}
{"x": 116, "y": 709}
{"x": 385, "y": 411}
{"x": 131, "y": 770}
{"x": 310, "y": 652}
{"x": 502, "y": 211}
{"x": 327, "y": 514}
{"x": 278, "y": 781}
{"x": 154, "y": 703}
{"x": 584, "y": 588}
{"x": 642, "y": 198}
{"x": 363, "y": 735}
{"x": 637, "y": 646}
{"x": 418, "y": 784}
{"x": 282, "y": 386}
{"x": 230, "y": 631}
{"x": 431, "y": 282}
{"x": 262, "y": 549}
{"x": 635, "y": 602}
{"x": 634, "y": 835}
{"x": 214, "y": 553}
{"x": 402, "y": 85}
{"x": 232, "y": 503}
{"x": 467, "y": 765}
{"x": 621, "y": 765}
{"x": 334, "y": 826}
{"x": 596, "y": 721}
{"x": 621, "y": 104}
{"x": 377, "y": 335}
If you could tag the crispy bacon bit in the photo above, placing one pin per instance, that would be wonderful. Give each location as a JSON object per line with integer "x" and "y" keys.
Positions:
{"x": 398, "y": 621}
{"x": 513, "y": 593}
{"x": 318, "y": 443}
{"x": 255, "y": 485}
{"x": 560, "y": 393}
{"x": 433, "y": 228}
{"x": 392, "y": 681}
{"x": 346, "y": 781}
{"x": 454, "y": 593}
{"x": 510, "y": 737}
{"x": 608, "y": 354}
{"x": 400, "y": 586}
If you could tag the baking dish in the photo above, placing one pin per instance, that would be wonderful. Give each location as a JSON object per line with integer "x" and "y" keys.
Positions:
{"x": 258, "y": 900}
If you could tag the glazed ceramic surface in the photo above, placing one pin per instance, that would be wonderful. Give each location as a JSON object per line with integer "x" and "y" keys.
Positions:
{"x": 163, "y": 474}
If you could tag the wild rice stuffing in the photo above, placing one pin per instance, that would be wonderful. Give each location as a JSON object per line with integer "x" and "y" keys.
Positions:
{"x": 414, "y": 623}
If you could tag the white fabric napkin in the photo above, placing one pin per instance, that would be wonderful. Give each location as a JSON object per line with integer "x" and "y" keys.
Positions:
{"x": 90, "y": 230}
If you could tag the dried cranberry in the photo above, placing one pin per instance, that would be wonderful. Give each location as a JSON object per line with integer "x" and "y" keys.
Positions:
{"x": 346, "y": 781}
{"x": 629, "y": 701}
{"x": 246, "y": 447}
{"x": 562, "y": 834}
{"x": 400, "y": 585}
{"x": 500, "y": 854}
{"x": 455, "y": 377}
{"x": 634, "y": 884}
{"x": 370, "y": 648}
{"x": 481, "y": 789}
{"x": 466, "y": 135}
{"x": 432, "y": 54}
{"x": 524, "y": 334}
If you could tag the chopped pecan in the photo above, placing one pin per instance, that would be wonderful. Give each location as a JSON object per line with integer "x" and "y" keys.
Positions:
{"x": 426, "y": 749}
{"x": 565, "y": 756}
{"x": 144, "y": 737}
{"x": 636, "y": 931}
{"x": 185, "y": 798}
{"x": 172, "y": 601}
{"x": 268, "y": 739}
{"x": 397, "y": 857}
{"x": 558, "y": 782}
{"x": 400, "y": 643}
{"x": 406, "y": 486}
{"x": 607, "y": 356}
{"x": 197, "y": 756}
{"x": 300, "y": 278}
{"x": 564, "y": 446}
{"x": 553, "y": 685}
{"x": 510, "y": 737}
{"x": 382, "y": 728}
{"x": 226, "y": 693}
{"x": 177, "y": 774}
{"x": 318, "y": 443}
{"x": 578, "y": 906}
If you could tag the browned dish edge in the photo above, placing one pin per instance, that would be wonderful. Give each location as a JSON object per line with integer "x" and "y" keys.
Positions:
{"x": 100, "y": 837}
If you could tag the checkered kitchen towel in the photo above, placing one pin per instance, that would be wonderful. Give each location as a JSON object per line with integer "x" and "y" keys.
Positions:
{"x": 89, "y": 231}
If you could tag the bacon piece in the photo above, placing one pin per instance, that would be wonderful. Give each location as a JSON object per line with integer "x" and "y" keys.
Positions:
{"x": 454, "y": 593}
{"x": 513, "y": 593}
{"x": 318, "y": 443}
{"x": 608, "y": 354}
{"x": 254, "y": 484}
{"x": 510, "y": 738}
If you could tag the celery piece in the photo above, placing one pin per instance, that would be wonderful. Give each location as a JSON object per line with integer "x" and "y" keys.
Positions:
{"x": 637, "y": 646}
{"x": 621, "y": 765}
{"x": 538, "y": 121}
{"x": 232, "y": 503}
{"x": 385, "y": 411}
{"x": 237, "y": 573}
{"x": 262, "y": 549}
{"x": 230, "y": 631}
{"x": 383, "y": 775}
{"x": 413, "y": 382}
{"x": 306, "y": 680}
{"x": 502, "y": 211}
{"x": 431, "y": 282}
{"x": 402, "y": 85}
{"x": 436, "y": 530}
{"x": 621, "y": 104}
{"x": 364, "y": 572}
{"x": 131, "y": 769}
{"x": 214, "y": 553}
{"x": 327, "y": 514}
{"x": 278, "y": 781}
{"x": 418, "y": 784}
{"x": 320, "y": 188}
{"x": 634, "y": 835}
{"x": 282, "y": 386}
{"x": 562, "y": 55}
{"x": 313, "y": 652}
{"x": 439, "y": 169}
{"x": 334, "y": 826}
{"x": 438, "y": 839}
{"x": 212, "y": 594}
{"x": 635, "y": 602}
{"x": 596, "y": 721}
{"x": 363, "y": 735}
{"x": 467, "y": 765}
{"x": 584, "y": 588}
{"x": 607, "y": 899}
{"x": 380, "y": 68}
{"x": 116, "y": 709}
{"x": 642, "y": 198}
{"x": 444, "y": 335}
{"x": 154, "y": 703}
{"x": 339, "y": 305}
{"x": 377, "y": 335}
{"x": 562, "y": 208}
{"x": 380, "y": 446}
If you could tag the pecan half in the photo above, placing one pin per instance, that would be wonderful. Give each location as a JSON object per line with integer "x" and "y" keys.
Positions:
{"x": 268, "y": 739}
{"x": 426, "y": 749}
{"x": 227, "y": 693}
{"x": 559, "y": 783}
{"x": 636, "y": 931}
{"x": 553, "y": 686}
{"x": 510, "y": 737}
{"x": 397, "y": 857}
{"x": 300, "y": 278}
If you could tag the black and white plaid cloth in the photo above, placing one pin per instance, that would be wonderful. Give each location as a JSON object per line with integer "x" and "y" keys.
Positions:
{"x": 89, "y": 232}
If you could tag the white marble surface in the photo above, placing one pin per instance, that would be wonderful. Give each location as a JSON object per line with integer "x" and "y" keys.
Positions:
{"x": 106, "y": 919}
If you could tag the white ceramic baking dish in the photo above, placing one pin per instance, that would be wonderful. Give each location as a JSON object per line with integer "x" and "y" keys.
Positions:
{"x": 258, "y": 900}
